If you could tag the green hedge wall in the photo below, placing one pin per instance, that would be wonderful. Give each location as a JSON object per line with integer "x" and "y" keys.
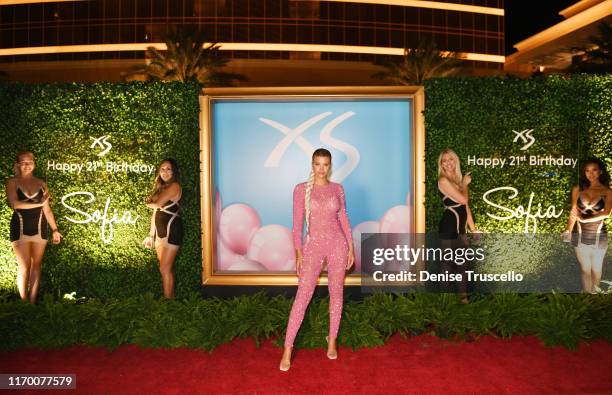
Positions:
{"x": 145, "y": 122}
{"x": 570, "y": 116}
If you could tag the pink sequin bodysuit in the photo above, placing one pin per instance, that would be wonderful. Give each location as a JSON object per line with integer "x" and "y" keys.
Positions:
{"x": 327, "y": 240}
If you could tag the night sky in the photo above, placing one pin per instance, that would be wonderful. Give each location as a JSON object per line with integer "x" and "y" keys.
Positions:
{"x": 526, "y": 18}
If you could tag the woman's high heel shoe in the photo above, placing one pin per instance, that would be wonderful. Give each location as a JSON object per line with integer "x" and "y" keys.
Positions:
{"x": 331, "y": 356}
{"x": 285, "y": 366}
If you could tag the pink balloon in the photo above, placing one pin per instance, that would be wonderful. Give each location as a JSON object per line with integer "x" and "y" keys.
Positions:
{"x": 272, "y": 246}
{"x": 225, "y": 256}
{"x": 243, "y": 264}
{"x": 364, "y": 227}
{"x": 237, "y": 225}
{"x": 396, "y": 220}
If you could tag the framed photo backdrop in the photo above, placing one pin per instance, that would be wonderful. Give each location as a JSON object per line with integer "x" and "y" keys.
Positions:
{"x": 256, "y": 145}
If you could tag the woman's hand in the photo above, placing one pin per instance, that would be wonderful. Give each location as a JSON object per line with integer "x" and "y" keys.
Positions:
{"x": 148, "y": 242}
{"x": 566, "y": 236}
{"x": 350, "y": 259}
{"x": 57, "y": 237}
{"x": 476, "y": 235}
{"x": 467, "y": 178}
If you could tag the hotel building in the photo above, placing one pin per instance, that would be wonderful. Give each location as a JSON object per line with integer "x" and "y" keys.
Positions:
{"x": 272, "y": 42}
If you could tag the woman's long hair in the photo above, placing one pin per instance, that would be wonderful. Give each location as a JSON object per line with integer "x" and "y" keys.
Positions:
{"x": 18, "y": 157}
{"x": 457, "y": 177}
{"x": 604, "y": 177}
{"x": 159, "y": 184}
{"x": 320, "y": 152}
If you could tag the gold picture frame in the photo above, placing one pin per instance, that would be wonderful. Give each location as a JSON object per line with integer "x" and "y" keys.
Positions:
{"x": 415, "y": 93}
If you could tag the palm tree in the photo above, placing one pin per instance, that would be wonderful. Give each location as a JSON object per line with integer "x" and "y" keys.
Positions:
{"x": 419, "y": 64}
{"x": 187, "y": 58}
{"x": 597, "y": 57}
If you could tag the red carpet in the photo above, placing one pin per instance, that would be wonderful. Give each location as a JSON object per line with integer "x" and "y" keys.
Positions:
{"x": 423, "y": 365}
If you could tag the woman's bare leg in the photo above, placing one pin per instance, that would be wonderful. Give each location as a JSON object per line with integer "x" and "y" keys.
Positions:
{"x": 597, "y": 259}
{"x": 24, "y": 259}
{"x": 166, "y": 263}
{"x": 37, "y": 251}
{"x": 584, "y": 259}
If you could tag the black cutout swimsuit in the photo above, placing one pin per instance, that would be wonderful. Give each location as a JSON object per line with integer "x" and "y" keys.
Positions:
{"x": 29, "y": 224}
{"x": 592, "y": 234}
{"x": 453, "y": 220}
{"x": 168, "y": 224}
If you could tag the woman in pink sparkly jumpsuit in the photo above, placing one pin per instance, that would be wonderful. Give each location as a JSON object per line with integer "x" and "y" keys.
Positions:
{"x": 328, "y": 240}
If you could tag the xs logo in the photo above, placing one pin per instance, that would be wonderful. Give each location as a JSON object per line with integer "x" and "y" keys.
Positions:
{"x": 525, "y": 136}
{"x": 102, "y": 143}
{"x": 292, "y": 135}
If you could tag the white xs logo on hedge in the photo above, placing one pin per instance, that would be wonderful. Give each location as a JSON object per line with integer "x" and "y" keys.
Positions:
{"x": 106, "y": 218}
{"x": 295, "y": 135}
{"x": 103, "y": 143}
{"x": 525, "y": 136}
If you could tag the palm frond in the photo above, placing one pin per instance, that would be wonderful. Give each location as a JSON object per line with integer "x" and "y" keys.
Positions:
{"x": 419, "y": 64}
{"x": 595, "y": 56}
{"x": 187, "y": 58}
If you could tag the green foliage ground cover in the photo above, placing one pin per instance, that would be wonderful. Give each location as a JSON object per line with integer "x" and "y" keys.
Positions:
{"x": 193, "y": 322}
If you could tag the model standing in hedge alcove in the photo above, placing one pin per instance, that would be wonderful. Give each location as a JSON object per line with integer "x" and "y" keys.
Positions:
{"x": 28, "y": 196}
{"x": 328, "y": 239}
{"x": 453, "y": 187}
{"x": 166, "y": 231}
{"x": 591, "y": 205}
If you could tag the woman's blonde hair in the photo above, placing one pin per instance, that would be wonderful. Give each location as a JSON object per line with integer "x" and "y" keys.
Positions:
{"x": 320, "y": 152}
{"x": 18, "y": 159}
{"x": 457, "y": 177}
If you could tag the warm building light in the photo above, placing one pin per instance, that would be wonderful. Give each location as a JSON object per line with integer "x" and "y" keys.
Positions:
{"x": 13, "y": 2}
{"x": 237, "y": 47}
{"x": 438, "y": 5}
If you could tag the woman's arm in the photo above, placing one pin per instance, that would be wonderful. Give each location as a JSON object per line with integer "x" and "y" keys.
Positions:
{"x": 573, "y": 217}
{"x": 449, "y": 189}
{"x": 298, "y": 217}
{"x": 343, "y": 218}
{"x": 50, "y": 217}
{"x": 152, "y": 226}
{"x": 299, "y": 207}
{"x": 148, "y": 241}
{"x": 470, "y": 220}
{"x": 158, "y": 200}
{"x": 13, "y": 200}
{"x": 346, "y": 228}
